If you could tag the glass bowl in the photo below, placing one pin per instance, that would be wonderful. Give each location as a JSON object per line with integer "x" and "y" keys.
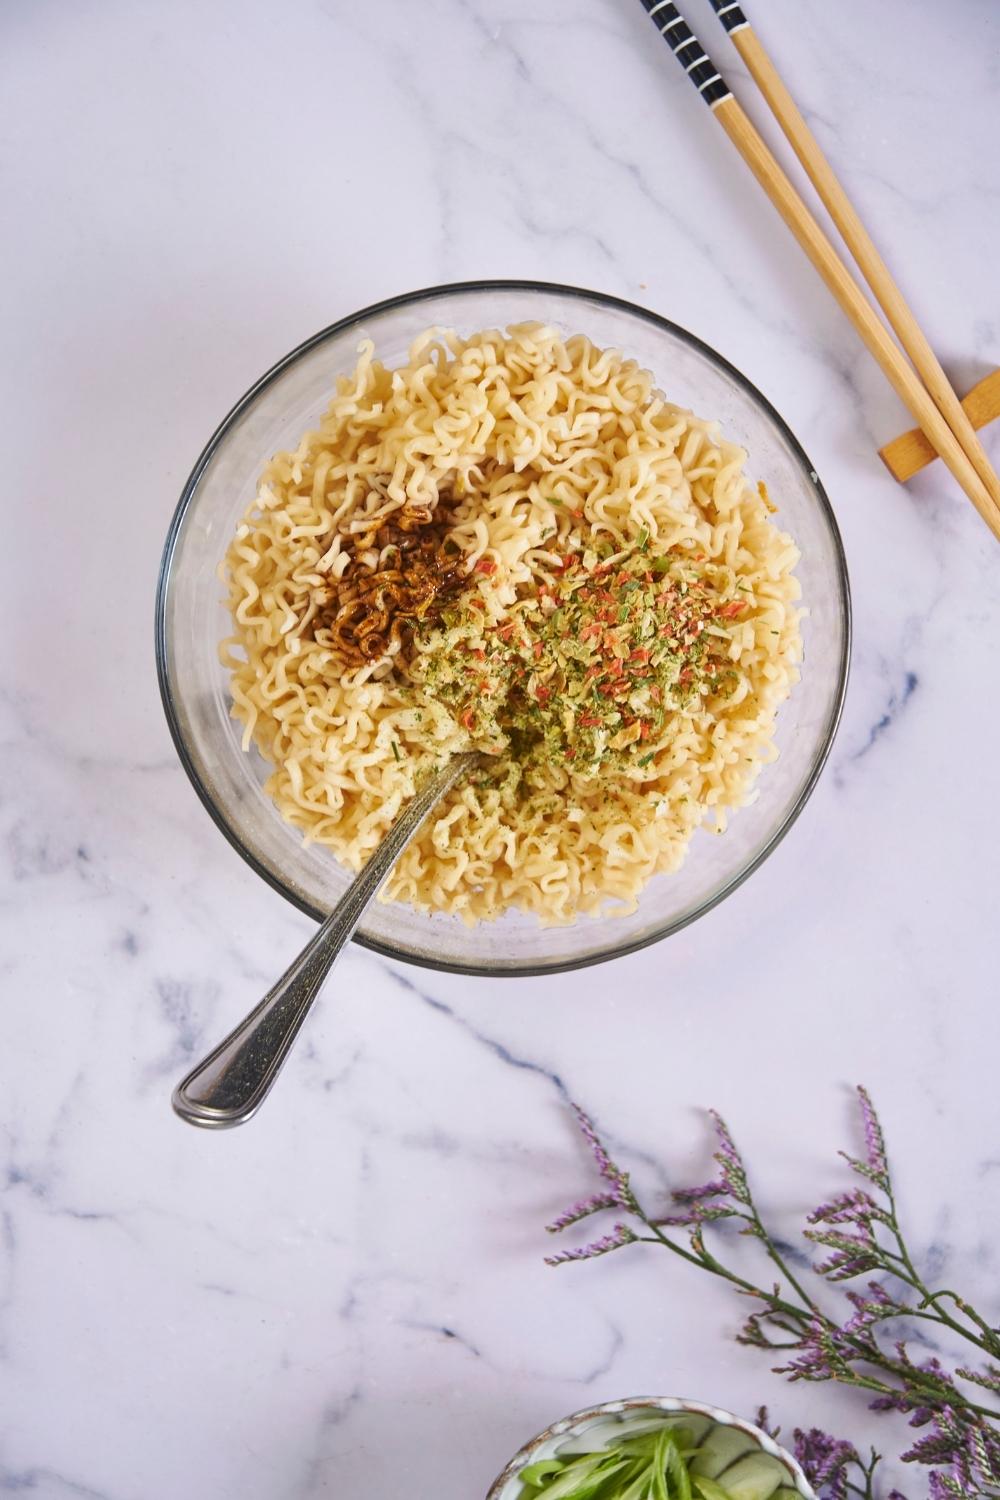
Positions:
{"x": 599, "y": 1424}
{"x": 191, "y": 619}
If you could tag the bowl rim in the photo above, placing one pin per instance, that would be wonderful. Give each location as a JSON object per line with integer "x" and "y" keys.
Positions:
{"x": 533, "y": 969}
{"x": 668, "y": 1405}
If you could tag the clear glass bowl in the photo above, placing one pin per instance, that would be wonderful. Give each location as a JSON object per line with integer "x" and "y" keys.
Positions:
{"x": 191, "y": 620}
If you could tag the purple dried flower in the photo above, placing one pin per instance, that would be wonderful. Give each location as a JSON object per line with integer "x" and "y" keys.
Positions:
{"x": 984, "y": 1449}
{"x": 988, "y": 1377}
{"x": 582, "y": 1209}
{"x": 623, "y": 1194}
{"x": 929, "y": 1367}
{"x": 605, "y": 1165}
{"x": 763, "y": 1420}
{"x": 936, "y": 1448}
{"x": 874, "y": 1139}
{"x": 898, "y": 1401}
{"x": 853, "y": 1255}
{"x": 817, "y": 1353}
{"x": 855, "y": 1206}
{"x": 754, "y": 1333}
{"x": 942, "y": 1487}
{"x": 869, "y": 1310}
{"x": 842, "y": 1267}
{"x": 696, "y": 1213}
{"x": 958, "y": 1442}
{"x": 689, "y": 1220}
{"x": 825, "y": 1460}
{"x": 964, "y": 1450}
{"x": 734, "y": 1176}
{"x": 620, "y": 1235}
{"x": 716, "y": 1189}
{"x": 875, "y": 1166}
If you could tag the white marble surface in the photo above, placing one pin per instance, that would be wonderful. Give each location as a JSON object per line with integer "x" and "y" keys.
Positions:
{"x": 348, "y": 1297}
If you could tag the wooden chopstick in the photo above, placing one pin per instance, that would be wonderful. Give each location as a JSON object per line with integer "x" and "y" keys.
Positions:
{"x": 843, "y": 213}
{"x": 898, "y": 371}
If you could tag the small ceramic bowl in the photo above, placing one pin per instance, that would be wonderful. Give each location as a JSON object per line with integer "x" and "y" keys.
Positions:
{"x": 598, "y": 1424}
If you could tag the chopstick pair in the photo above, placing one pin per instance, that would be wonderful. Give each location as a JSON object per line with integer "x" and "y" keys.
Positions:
{"x": 928, "y": 394}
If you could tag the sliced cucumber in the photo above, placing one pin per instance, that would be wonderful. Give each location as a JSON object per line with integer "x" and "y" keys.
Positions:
{"x": 755, "y": 1477}
{"x": 708, "y": 1489}
{"x": 614, "y": 1430}
{"x": 722, "y": 1447}
{"x": 692, "y": 1423}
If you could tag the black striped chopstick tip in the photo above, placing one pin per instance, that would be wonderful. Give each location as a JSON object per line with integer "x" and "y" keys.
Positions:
{"x": 729, "y": 13}
{"x": 687, "y": 49}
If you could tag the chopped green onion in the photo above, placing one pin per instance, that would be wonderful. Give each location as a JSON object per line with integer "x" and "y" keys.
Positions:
{"x": 647, "y": 1466}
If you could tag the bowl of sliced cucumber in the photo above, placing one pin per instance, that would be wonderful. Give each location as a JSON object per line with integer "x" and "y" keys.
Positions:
{"x": 652, "y": 1448}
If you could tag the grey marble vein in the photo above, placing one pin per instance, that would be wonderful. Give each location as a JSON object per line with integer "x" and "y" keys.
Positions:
{"x": 349, "y": 1296}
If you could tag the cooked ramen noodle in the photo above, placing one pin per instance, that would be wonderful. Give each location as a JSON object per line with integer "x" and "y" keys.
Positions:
{"x": 512, "y": 543}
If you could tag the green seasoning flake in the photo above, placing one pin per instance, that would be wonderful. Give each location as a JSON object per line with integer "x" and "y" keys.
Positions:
{"x": 395, "y": 750}
{"x": 585, "y": 673}
{"x": 642, "y": 540}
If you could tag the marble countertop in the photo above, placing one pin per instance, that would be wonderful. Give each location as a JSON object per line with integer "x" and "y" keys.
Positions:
{"x": 348, "y": 1296}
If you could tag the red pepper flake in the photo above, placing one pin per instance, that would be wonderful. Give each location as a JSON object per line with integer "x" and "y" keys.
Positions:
{"x": 542, "y": 693}
{"x": 479, "y": 653}
{"x": 485, "y": 565}
{"x": 468, "y": 719}
{"x": 589, "y": 721}
{"x": 730, "y": 611}
{"x": 537, "y": 649}
{"x": 644, "y": 729}
{"x": 641, "y": 654}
